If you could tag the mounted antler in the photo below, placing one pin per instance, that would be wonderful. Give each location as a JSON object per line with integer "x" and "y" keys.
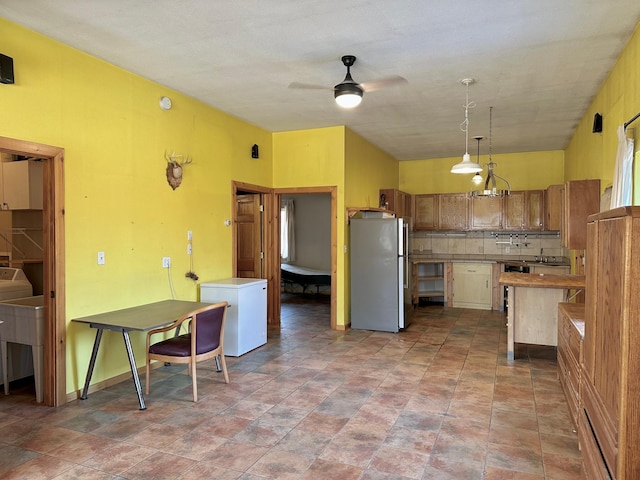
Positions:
{"x": 174, "y": 168}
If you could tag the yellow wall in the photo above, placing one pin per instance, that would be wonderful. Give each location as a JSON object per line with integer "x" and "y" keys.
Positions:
{"x": 116, "y": 193}
{"x": 593, "y": 155}
{"x": 523, "y": 171}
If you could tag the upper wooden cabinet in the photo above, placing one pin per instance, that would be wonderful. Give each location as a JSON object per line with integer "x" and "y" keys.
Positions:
{"x": 524, "y": 210}
{"x": 425, "y": 212}
{"x": 581, "y": 199}
{"x": 22, "y": 185}
{"x": 553, "y": 204}
{"x": 486, "y": 213}
{"x": 453, "y": 211}
{"x": 397, "y": 201}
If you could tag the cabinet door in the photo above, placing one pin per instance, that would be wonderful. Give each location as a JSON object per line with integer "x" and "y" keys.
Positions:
{"x": 425, "y": 212}
{"x": 534, "y": 209}
{"x": 453, "y": 211}
{"x": 514, "y": 205}
{"x": 22, "y": 185}
{"x": 552, "y": 207}
{"x": 472, "y": 285}
{"x": 581, "y": 199}
{"x": 486, "y": 213}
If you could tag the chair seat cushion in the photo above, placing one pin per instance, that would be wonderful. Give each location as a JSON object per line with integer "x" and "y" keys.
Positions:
{"x": 180, "y": 346}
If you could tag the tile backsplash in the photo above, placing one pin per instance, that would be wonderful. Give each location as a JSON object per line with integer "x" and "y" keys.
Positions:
{"x": 512, "y": 245}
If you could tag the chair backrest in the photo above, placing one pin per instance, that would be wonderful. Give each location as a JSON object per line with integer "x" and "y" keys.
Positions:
{"x": 209, "y": 328}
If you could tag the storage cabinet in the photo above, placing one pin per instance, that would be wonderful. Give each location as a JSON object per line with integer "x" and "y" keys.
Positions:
{"x": 453, "y": 211}
{"x": 570, "y": 334}
{"x": 581, "y": 199}
{"x": 397, "y": 201}
{"x": 524, "y": 210}
{"x": 246, "y": 323}
{"x": 553, "y": 205}
{"x": 610, "y": 417}
{"x": 472, "y": 285}
{"x": 486, "y": 213}
{"x": 425, "y": 212}
{"x": 429, "y": 281}
{"x": 22, "y": 185}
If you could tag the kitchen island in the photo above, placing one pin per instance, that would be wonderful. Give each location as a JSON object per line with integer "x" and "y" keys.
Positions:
{"x": 532, "y": 316}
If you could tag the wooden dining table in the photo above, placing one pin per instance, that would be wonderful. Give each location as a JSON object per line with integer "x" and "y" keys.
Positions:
{"x": 140, "y": 318}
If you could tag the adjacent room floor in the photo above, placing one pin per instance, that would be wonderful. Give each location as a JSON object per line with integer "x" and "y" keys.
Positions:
{"x": 437, "y": 401}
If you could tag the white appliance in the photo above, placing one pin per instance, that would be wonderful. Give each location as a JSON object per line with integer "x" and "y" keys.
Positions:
{"x": 380, "y": 274}
{"x": 14, "y": 284}
{"x": 246, "y": 324}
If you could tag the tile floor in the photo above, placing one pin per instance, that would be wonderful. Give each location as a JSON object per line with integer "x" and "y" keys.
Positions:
{"x": 438, "y": 401}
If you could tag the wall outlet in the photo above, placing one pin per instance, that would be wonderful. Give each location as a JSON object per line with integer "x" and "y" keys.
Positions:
{"x": 100, "y": 258}
{"x": 166, "y": 262}
{"x": 189, "y": 249}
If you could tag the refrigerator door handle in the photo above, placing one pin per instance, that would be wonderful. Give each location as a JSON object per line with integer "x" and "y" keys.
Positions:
{"x": 406, "y": 271}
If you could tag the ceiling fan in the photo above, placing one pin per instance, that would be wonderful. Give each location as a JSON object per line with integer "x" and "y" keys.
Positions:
{"x": 348, "y": 93}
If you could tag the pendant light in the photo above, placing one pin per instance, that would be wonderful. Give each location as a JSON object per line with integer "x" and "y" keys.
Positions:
{"x": 491, "y": 175}
{"x": 466, "y": 166}
{"x": 477, "y": 178}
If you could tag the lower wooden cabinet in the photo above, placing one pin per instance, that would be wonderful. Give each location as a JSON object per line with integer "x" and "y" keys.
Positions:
{"x": 570, "y": 337}
{"x": 472, "y": 285}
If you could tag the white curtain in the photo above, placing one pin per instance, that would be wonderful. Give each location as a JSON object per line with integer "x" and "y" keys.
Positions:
{"x": 622, "y": 191}
{"x": 287, "y": 232}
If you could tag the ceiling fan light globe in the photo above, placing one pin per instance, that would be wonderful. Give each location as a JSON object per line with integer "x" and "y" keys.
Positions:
{"x": 348, "y": 95}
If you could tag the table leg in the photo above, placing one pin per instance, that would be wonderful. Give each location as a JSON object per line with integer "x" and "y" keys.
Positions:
{"x": 5, "y": 368}
{"x": 134, "y": 370}
{"x": 218, "y": 363}
{"x": 92, "y": 363}
{"x": 511, "y": 315}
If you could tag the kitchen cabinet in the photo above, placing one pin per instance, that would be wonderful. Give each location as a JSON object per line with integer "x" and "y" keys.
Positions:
{"x": 22, "y": 185}
{"x": 524, "y": 210}
{"x": 246, "y": 323}
{"x": 425, "y": 212}
{"x": 610, "y": 389}
{"x": 397, "y": 201}
{"x": 570, "y": 334}
{"x": 581, "y": 199}
{"x": 486, "y": 213}
{"x": 553, "y": 205}
{"x": 429, "y": 281}
{"x": 472, "y": 285}
{"x": 453, "y": 211}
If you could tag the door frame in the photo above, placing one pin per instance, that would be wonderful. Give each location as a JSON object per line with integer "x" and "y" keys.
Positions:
{"x": 53, "y": 236}
{"x": 271, "y": 237}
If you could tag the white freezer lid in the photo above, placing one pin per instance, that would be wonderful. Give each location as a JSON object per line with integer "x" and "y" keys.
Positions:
{"x": 234, "y": 283}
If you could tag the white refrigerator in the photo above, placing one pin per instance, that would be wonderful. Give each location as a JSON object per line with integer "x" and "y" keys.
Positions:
{"x": 380, "y": 274}
{"x": 246, "y": 324}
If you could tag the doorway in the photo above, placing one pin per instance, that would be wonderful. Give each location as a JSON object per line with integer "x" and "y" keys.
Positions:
{"x": 53, "y": 262}
{"x": 270, "y": 240}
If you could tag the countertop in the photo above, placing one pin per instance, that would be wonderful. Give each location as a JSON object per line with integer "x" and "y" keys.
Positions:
{"x": 542, "y": 280}
{"x": 459, "y": 258}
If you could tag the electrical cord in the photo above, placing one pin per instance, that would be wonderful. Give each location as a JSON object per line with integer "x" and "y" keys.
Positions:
{"x": 173, "y": 293}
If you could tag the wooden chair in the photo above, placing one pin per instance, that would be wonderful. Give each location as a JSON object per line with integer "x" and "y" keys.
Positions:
{"x": 204, "y": 341}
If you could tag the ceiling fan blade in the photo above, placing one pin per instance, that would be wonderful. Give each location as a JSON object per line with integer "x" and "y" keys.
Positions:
{"x": 383, "y": 83}
{"x": 308, "y": 86}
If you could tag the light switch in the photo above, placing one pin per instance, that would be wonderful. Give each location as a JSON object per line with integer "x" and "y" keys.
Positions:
{"x": 100, "y": 258}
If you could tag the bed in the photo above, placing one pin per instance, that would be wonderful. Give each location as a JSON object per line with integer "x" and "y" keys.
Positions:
{"x": 304, "y": 277}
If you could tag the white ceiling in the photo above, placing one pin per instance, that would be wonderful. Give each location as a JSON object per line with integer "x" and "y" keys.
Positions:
{"x": 539, "y": 63}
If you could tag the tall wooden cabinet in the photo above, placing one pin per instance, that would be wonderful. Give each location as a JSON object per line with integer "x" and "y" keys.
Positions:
{"x": 581, "y": 199}
{"x": 609, "y": 422}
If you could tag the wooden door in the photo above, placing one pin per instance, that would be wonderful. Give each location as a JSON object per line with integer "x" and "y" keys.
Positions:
{"x": 534, "y": 210}
{"x": 553, "y": 207}
{"x": 249, "y": 244}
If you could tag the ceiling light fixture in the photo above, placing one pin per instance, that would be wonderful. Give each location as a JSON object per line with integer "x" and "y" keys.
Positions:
{"x": 466, "y": 166}
{"x": 491, "y": 175}
{"x": 348, "y": 93}
{"x": 477, "y": 178}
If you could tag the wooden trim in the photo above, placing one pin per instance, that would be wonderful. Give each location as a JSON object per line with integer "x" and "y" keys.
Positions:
{"x": 55, "y": 326}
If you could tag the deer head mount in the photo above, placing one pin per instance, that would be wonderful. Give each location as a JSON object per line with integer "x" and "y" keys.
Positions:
{"x": 174, "y": 168}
